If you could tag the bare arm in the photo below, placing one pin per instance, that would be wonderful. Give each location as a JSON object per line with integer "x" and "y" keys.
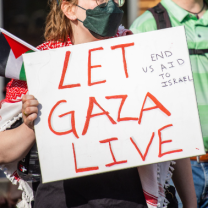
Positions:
{"x": 183, "y": 180}
{"x": 16, "y": 143}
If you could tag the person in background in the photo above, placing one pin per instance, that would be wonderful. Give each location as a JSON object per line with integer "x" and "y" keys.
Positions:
{"x": 193, "y": 14}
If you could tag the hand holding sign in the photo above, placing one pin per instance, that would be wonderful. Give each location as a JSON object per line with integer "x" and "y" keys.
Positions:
{"x": 29, "y": 110}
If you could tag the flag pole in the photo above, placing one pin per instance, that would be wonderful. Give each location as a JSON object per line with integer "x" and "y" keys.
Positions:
{"x": 1, "y": 25}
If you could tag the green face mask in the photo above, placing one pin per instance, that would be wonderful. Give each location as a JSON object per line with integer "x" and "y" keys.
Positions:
{"x": 103, "y": 22}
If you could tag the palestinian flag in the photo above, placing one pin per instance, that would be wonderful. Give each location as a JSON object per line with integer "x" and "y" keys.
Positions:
{"x": 11, "y": 50}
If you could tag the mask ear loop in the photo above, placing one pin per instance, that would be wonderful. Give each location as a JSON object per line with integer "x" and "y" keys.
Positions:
{"x": 81, "y": 8}
{"x": 79, "y": 20}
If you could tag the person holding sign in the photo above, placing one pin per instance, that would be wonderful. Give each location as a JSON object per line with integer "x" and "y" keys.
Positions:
{"x": 194, "y": 16}
{"x": 72, "y": 22}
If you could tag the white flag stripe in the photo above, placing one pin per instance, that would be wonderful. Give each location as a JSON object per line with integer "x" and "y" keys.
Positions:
{"x": 13, "y": 66}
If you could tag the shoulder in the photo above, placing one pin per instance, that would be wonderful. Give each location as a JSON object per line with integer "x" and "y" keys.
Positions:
{"x": 15, "y": 90}
{"x": 10, "y": 107}
{"x": 122, "y": 31}
{"x": 54, "y": 44}
{"x": 144, "y": 23}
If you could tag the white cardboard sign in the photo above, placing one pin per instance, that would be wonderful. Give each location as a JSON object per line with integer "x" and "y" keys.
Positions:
{"x": 114, "y": 104}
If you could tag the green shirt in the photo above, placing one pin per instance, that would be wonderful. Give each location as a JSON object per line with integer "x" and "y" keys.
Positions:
{"x": 197, "y": 38}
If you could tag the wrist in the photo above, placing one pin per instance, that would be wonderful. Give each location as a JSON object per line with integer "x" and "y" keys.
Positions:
{"x": 28, "y": 128}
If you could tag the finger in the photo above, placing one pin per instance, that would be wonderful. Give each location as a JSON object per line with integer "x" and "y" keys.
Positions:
{"x": 30, "y": 118}
{"x": 30, "y": 110}
{"x": 29, "y": 103}
{"x": 28, "y": 97}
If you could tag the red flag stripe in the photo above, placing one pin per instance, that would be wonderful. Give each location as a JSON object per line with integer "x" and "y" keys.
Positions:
{"x": 17, "y": 48}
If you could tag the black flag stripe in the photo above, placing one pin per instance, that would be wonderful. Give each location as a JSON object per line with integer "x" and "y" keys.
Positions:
{"x": 4, "y": 54}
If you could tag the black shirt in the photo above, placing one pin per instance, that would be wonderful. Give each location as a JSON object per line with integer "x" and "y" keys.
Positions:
{"x": 117, "y": 189}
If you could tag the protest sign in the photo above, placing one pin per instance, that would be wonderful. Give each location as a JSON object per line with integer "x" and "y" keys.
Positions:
{"x": 114, "y": 104}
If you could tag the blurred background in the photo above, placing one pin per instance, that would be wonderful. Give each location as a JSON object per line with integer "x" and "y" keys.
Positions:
{"x": 26, "y": 20}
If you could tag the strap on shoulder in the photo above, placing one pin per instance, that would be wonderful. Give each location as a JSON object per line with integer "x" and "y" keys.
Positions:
{"x": 198, "y": 51}
{"x": 161, "y": 16}
{"x": 163, "y": 21}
